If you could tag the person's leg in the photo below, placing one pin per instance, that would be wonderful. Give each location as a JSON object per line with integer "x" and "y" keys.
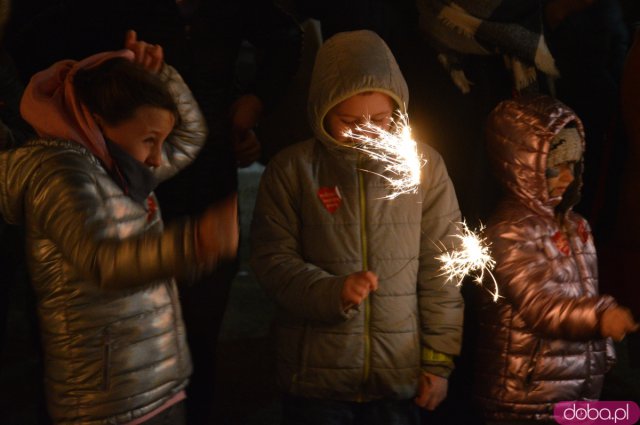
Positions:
{"x": 306, "y": 411}
{"x": 389, "y": 412}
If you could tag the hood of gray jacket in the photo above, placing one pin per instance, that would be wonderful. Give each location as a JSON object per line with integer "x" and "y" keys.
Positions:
{"x": 347, "y": 64}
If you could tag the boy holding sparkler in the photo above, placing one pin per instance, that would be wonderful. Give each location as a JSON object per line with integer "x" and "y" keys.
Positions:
{"x": 549, "y": 339}
{"x": 367, "y": 325}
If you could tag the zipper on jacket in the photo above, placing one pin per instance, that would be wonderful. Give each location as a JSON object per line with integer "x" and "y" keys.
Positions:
{"x": 365, "y": 267}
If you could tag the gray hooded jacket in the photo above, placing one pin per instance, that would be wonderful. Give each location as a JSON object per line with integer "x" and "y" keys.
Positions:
{"x": 302, "y": 251}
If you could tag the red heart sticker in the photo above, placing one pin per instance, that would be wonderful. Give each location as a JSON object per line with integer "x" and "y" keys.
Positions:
{"x": 582, "y": 231}
{"x": 152, "y": 207}
{"x": 562, "y": 242}
{"x": 330, "y": 197}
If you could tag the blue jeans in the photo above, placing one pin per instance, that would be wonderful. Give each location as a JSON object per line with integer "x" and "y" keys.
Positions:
{"x": 306, "y": 411}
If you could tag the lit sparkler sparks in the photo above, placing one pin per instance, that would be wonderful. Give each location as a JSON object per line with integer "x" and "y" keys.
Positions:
{"x": 471, "y": 258}
{"x": 395, "y": 149}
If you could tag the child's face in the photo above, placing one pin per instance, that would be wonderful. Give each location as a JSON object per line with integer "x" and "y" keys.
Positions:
{"x": 559, "y": 177}
{"x": 356, "y": 110}
{"x": 142, "y": 135}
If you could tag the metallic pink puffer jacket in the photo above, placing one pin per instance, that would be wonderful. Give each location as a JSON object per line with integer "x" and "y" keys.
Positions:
{"x": 540, "y": 344}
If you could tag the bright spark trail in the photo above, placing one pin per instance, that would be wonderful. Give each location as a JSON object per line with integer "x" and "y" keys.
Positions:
{"x": 395, "y": 149}
{"x": 471, "y": 258}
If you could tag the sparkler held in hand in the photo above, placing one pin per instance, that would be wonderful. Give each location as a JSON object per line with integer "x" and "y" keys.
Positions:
{"x": 471, "y": 258}
{"x": 395, "y": 148}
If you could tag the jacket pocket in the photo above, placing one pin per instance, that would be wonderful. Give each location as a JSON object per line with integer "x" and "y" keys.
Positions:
{"x": 533, "y": 361}
{"x": 106, "y": 360}
{"x": 303, "y": 351}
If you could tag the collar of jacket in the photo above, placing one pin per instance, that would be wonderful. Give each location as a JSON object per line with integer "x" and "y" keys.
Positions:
{"x": 134, "y": 178}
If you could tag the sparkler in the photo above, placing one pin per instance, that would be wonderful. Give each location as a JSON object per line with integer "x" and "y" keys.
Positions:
{"x": 395, "y": 149}
{"x": 471, "y": 258}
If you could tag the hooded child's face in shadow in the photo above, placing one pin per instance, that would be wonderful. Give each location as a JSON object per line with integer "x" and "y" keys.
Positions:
{"x": 354, "y": 111}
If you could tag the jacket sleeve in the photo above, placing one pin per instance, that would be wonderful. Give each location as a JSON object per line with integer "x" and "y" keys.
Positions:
{"x": 525, "y": 278}
{"x": 297, "y": 286}
{"x": 186, "y": 140}
{"x": 440, "y": 302}
{"x": 65, "y": 204}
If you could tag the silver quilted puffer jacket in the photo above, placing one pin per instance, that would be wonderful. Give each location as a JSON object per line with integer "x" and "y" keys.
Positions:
{"x": 540, "y": 344}
{"x": 102, "y": 267}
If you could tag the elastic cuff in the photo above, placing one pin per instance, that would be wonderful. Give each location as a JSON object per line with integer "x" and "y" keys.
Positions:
{"x": 441, "y": 371}
{"x": 350, "y": 312}
{"x": 432, "y": 357}
{"x": 437, "y": 363}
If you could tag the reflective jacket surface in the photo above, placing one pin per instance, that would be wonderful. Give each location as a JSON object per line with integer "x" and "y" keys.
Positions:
{"x": 540, "y": 343}
{"x": 102, "y": 267}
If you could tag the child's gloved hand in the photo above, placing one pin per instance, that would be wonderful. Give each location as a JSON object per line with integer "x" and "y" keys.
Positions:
{"x": 432, "y": 389}
{"x": 615, "y": 322}
{"x": 217, "y": 232}
{"x": 357, "y": 287}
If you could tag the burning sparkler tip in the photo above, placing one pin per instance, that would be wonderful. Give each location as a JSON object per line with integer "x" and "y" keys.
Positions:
{"x": 471, "y": 257}
{"x": 396, "y": 149}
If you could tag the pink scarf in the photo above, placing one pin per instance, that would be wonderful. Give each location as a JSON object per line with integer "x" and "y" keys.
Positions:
{"x": 50, "y": 105}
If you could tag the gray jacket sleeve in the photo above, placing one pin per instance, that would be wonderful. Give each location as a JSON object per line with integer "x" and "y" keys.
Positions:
{"x": 297, "y": 286}
{"x": 65, "y": 204}
{"x": 186, "y": 140}
{"x": 440, "y": 302}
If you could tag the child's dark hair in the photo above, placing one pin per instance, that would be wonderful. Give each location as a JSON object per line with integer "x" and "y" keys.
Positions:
{"x": 117, "y": 87}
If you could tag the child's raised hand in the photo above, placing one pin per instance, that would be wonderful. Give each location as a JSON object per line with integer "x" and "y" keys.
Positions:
{"x": 150, "y": 56}
{"x": 432, "y": 389}
{"x": 357, "y": 287}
